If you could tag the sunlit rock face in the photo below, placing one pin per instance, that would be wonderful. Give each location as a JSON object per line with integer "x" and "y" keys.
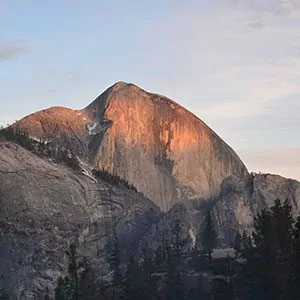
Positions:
{"x": 166, "y": 151}
{"x": 171, "y": 156}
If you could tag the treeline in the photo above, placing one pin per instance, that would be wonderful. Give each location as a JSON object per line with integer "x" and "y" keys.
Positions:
{"x": 113, "y": 179}
{"x": 41, "y": 148}
{"x": 158, "y": 274}
{"x": 272, "y": 254}
{"x": 3, "y": 293}
{"x": 266, "y": 266}
{"x": 18, "y": 136}
{"x": 60, "y": 155}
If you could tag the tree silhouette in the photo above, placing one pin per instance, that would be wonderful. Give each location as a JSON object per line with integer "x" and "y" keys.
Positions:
{"x": 237, "y": 243}
{"x": 209, "y": 236}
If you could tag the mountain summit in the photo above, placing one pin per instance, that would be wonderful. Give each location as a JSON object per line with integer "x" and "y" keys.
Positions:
{"x": 131, "y": 164}
{"x": 147, "y": 139}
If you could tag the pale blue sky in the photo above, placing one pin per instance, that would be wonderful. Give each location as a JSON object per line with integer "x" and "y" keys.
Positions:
{"x": 236, "y": 64}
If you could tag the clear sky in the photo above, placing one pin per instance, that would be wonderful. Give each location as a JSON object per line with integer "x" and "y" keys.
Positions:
{"x": 235, "y": 64}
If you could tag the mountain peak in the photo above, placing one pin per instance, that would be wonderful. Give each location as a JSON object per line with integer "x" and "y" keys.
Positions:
{"x": 147, "y": 139}
{"x": 119, "y": 85}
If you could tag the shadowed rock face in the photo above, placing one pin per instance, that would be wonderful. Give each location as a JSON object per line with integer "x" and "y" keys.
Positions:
{"x": 269, "y": 187}
{"x": 44, "y": 207}
{"x": 163, "y": 149}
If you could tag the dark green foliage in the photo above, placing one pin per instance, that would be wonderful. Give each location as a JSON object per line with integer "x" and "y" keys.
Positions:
{"x": 209, "y": 236}
{"x": 223, "y": 290}
{"x": 295, "y": 259}
{"x": 269, "y": 271}
{"x": 237, "y": 243}
{"x": 246, "y": 244}
{"x": 46, "y": 294}
{"x": 175, "y": 289}
{"x": 3, "y": 293}
{"x": 18, "y": 136}
{"x": 115, "y": 258}
{"x": 114, "y": 254}
{"x": 79, "y": 283}
{"x": 72, "y": 161}
{"x": 178, "y": 240}
{"x": 113, "y": 179}
{"x": 174, "y": 285}
{"x": 160, "y": 256}
{"x": 40, "y": 148}
{"x": 199, "y": 292}
{"x": 140, "y": 281}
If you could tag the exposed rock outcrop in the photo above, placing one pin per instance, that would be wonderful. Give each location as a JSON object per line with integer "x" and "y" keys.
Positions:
{"x": 148, "y": 140}
{"x": 44, "y": 207}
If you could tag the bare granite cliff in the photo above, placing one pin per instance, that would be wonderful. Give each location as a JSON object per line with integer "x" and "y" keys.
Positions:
{"x": 44, "y": 207}
{"x": 180, "y": 166}
{"x": 166, "y": 151}
{"x": 147, "y": 139}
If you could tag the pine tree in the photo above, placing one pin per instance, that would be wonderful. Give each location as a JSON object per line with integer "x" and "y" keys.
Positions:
{"x": 269, "y": 263}
{"x": 3, "y": 294}
{"x": 159, "y": 256}
{"x": 209, "y": 236}
{"x": 46, "y": 294}
{"x": 177, "y": 238}
{"x": 73, "y": 270}
{"x": 237, "y": 243}
{"x": 175, "y": 289}
{"x": 295, "y": 278}
{"x": 114, "y": 259}
{"x": 79, "y": 283}
{"x": 139, "y": 281}
{"x": 67, "y": 288}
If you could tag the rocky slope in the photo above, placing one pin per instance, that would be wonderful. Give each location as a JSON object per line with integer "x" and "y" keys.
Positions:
{"x": 45, "y": 207}
{"x": 166, "y": 151}
{"x": 169, "y": 154}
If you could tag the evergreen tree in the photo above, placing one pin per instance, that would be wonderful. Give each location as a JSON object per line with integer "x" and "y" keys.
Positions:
{"x": 73, "y": 270}
{"x": 246, "y": 244}
{"x": 79, "y": 283}
{"x": 139, "y": 282}
{"x": 295, "y": 278}
{"x": 160, "y": 257}
{"x": 114, "y": 259}
{"x": 46, "y": 294}
{"x": 177, "y": 238}
{"x": 3, "y": 293}
{"x": 174, "y": 284}
{"x": 237, "y": 243}
{"x": 269, "y": 269}
{"x": 174, "y": 289}
{"x": 209, "y": 236}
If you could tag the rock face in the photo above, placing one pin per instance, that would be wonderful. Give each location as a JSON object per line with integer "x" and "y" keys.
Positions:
{"x": 269, "y": 187}
{"x": 169, "y": 154}
{"x": 163, "y": 149}
{"x": 45, "y": 207}
{"x": 166, "y": 151}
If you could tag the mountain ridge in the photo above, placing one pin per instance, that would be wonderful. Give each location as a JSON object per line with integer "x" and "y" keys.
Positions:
{"x": 180, "y": 167}
{"x": 153, "y": 127}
